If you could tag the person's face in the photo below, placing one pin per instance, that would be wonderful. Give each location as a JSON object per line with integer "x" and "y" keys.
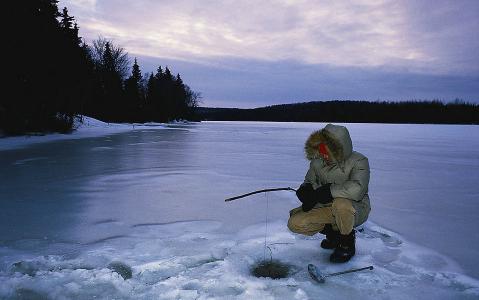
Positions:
{"x": 324, "y": 151}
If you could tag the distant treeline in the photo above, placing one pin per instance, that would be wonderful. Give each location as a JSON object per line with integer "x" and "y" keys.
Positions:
{"x": 53, "y": 76}
{"x": 419, "y": 112}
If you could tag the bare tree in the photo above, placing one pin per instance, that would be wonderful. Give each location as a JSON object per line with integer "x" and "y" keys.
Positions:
{"x": 193, "y": 99}
{"x": 121, "y": 61}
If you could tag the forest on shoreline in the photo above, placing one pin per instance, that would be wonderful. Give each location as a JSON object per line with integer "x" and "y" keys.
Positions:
{"x": 410, "y": 112}
{"x": 54, "y": 76}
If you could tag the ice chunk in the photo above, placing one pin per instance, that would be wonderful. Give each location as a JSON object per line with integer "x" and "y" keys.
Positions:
{"x": 121, "y": 268}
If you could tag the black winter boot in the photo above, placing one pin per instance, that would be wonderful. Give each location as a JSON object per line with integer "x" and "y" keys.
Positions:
{"x": 332, "y": 237}
{"x": 346, "y": 248}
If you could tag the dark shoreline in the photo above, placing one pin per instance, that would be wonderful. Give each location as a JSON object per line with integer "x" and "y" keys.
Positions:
{"x": 409, "y": 112}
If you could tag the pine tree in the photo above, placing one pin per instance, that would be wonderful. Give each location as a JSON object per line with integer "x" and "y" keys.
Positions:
{"x": 159, "y": 73}
{"x": 180, "y": 102}
{"x": 168, "y": 75}
{"x": 112, "y": 87}
{"x": 168, "y": 94}
{"x": 45, "y": 60}
{"x": 133, "y": 94}
{"x": 159, "y": 103}
{"x": 136, "y": 73}
{"x": 66, "y": 21}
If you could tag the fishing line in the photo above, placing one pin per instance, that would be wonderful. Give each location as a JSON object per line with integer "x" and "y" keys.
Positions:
{"x": 266, "y": 225}
{"x": 269, "y": 268}
{"x": 266, "y": 246}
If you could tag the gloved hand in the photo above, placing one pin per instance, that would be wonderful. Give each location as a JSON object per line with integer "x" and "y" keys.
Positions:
{"x": 308, "y": 205}
{"x": 306, "y": 195}
{"x": 310, "y": 197}
{"x": 323, "y": 194}
{"x": 305, "y": 192}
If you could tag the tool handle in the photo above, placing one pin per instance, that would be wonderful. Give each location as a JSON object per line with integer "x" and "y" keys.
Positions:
{"x": 260, "y": 191}
{"x": 349, "y": 271}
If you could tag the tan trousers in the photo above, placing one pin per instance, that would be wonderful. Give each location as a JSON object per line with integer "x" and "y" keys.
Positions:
{"x": 340, "y": 215}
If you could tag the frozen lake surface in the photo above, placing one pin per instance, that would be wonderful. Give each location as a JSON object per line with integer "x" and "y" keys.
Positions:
{"x": 151, "y": 201}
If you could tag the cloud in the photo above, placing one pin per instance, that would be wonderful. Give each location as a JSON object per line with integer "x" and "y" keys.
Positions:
{"x": 447, "y": 31}
{"x": 250, "y": 53}
{"x": 227, "y": 84}
{"x": 366, "y": 33}
{"x": 86, "y": 5}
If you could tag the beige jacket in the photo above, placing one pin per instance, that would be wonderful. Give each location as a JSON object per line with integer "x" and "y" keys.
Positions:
{"x": 348, "y": 172}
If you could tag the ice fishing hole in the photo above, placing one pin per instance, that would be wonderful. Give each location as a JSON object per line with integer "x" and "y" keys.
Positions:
{"x": 274, "y": 269}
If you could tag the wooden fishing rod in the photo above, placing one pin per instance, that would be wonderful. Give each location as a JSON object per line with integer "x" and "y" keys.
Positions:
{"x": 260, "y": 191}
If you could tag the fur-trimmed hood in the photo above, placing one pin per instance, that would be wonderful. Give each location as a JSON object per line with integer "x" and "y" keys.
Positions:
{"x": 336, "y": 137}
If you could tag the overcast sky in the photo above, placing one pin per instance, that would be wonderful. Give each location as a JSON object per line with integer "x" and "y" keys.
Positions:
{"x": 250, "y": 53}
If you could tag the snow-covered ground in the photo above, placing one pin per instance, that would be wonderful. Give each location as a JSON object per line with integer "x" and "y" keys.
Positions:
{"x": 87, "y": 127}
{"x": 116, "y": 212}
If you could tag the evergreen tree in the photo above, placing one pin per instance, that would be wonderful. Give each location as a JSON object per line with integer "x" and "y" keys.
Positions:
{"x": 159, "y": 73}
{"x": 180, "y": 101}
{"x": 168, "y": 95}
{"x": 151, "y": 94}
{"x": 66, "y": 20}
{"x": 168, "y": 98}
{"x": 73, "y": 59}
{"x": 112, "y": 87}
{"x": 159, "y": 105}
{"x": 133, "y": 94}
{"x": 136, "y": 73}
{"x": 45, "y": 60}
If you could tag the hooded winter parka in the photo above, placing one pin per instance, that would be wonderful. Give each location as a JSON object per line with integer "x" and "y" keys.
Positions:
{"x": 347, "y": 170}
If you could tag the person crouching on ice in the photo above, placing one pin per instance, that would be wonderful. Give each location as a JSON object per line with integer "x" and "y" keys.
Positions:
{"x": 334, "y": 194}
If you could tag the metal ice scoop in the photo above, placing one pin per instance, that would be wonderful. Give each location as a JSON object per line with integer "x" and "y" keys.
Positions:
{"x": 321, "y": 278}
